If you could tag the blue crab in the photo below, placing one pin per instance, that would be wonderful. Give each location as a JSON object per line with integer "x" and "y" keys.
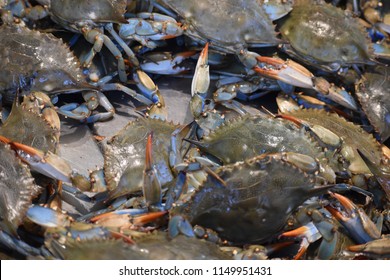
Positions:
{"x": 325, "y": 37}
{"x": 248, "y": 201}
{"x": 373, "y": 93}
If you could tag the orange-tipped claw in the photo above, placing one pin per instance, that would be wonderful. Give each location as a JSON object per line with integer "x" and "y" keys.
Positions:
{"x": 335, "y": 213}
{"x": 5, "y": 140}
{"x": 356, "y": 248}
{"x": 205, "y": 53}
{"x": 148, "y": 153}
{"x": 348, "y": 204}
{"x": 287, "y": 71}
{"x": 295, "y": 120}
{"x": 298, "y": 232}
{"x": 151, "y": 186}
{"x": 147, "y": 218}
{"x": 119, "y": 235}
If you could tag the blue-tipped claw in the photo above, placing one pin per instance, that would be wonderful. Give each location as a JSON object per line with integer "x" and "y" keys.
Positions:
{"x": 47, "y": 217}
{"x": 355, "y": 220}
{"x": 178, "y": 225}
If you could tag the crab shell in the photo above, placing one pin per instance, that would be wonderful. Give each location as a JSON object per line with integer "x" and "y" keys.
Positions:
{"x": 252, "y": 135}
{"x": 325, "y": 36}
{"x": 255, "y": 201}
{"x": 154, "y": 246}
{"x": 373, "y": 91}
{"x": 17, "y": 189}
{"x": 353, "y": 137}
{"x": 31, "y": 60}
{"x": 31, "y": 128}
{"x": 70, "y": 12}
{"x": 230, "y": 25}
{"x": 125, "y": 155}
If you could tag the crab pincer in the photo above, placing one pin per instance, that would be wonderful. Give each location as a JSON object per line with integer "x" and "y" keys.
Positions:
{"x": 292, "y": 73}
{"x": 355, "y": 220}
{"x": 48, "y": 164}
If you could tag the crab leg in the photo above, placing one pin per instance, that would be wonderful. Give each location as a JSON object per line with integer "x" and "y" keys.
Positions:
{"x": 20, "y": 247}
{"x": 150, "y": 27}
{"x": 163, "y": 63}
{"x": 133, "y": 59}
{"x": 83, "y": 112}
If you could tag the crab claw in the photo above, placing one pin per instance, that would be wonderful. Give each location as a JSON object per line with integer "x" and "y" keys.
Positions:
{"x": 201, "y": 81}
{"x": 379, "y": 248}
{"x": 178, "y": 224}
{"x": 154, "y": 98}
{"x": 355, "y": 220}
{"x": 286, "y": 71}
{"x": 334, "y": 93}
{"x": 117, "y": 219}
{"x": 292, "y": 73}
{"x": 151, "y": 186}
{"x": 309, "y": 234}
{"x": 47, "y": 217}
{"x": 48, "y": 164}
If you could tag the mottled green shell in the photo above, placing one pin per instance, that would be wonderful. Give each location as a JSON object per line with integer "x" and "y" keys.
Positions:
{"x": 31, "y": 129}
{"x": 249, "y": 136}
{"x": 69, "y": 12}
{"x": 33, "y": 60}
{"x": 255, "y": 202}
{"x": 17, "y": 189}
{"x": 373, "y": 92}
{"x": 352, "y": 136}
{"x": 229, "y": 24}
{"x": 324, "y": 34}
{"x": 125, "y": 155}
{"x": 151, "y": 247}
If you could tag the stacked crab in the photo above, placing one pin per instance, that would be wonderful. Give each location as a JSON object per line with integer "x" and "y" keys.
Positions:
{"x": 300, "y": 173}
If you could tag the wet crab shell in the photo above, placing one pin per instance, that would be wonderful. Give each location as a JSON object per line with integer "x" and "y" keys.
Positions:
{"x": 125, "y": 155}
{"x": 31, "y": 129}
{"x": 17, "y": 189}
{"x": 252, "y": 135}
{"x": 325, "y": 36}
{"x": 70, "y": 12}
{"x": 32, "y": 60}
{"x": 373, "y": 91}
{"x": 230, "y": 25}
{"x": 255, "y": 202}
{"x": 352, "y": 136}
{"x": 154, "y": 246}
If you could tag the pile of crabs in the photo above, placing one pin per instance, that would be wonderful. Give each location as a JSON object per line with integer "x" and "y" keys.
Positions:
{"x": 305, "y": 175}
